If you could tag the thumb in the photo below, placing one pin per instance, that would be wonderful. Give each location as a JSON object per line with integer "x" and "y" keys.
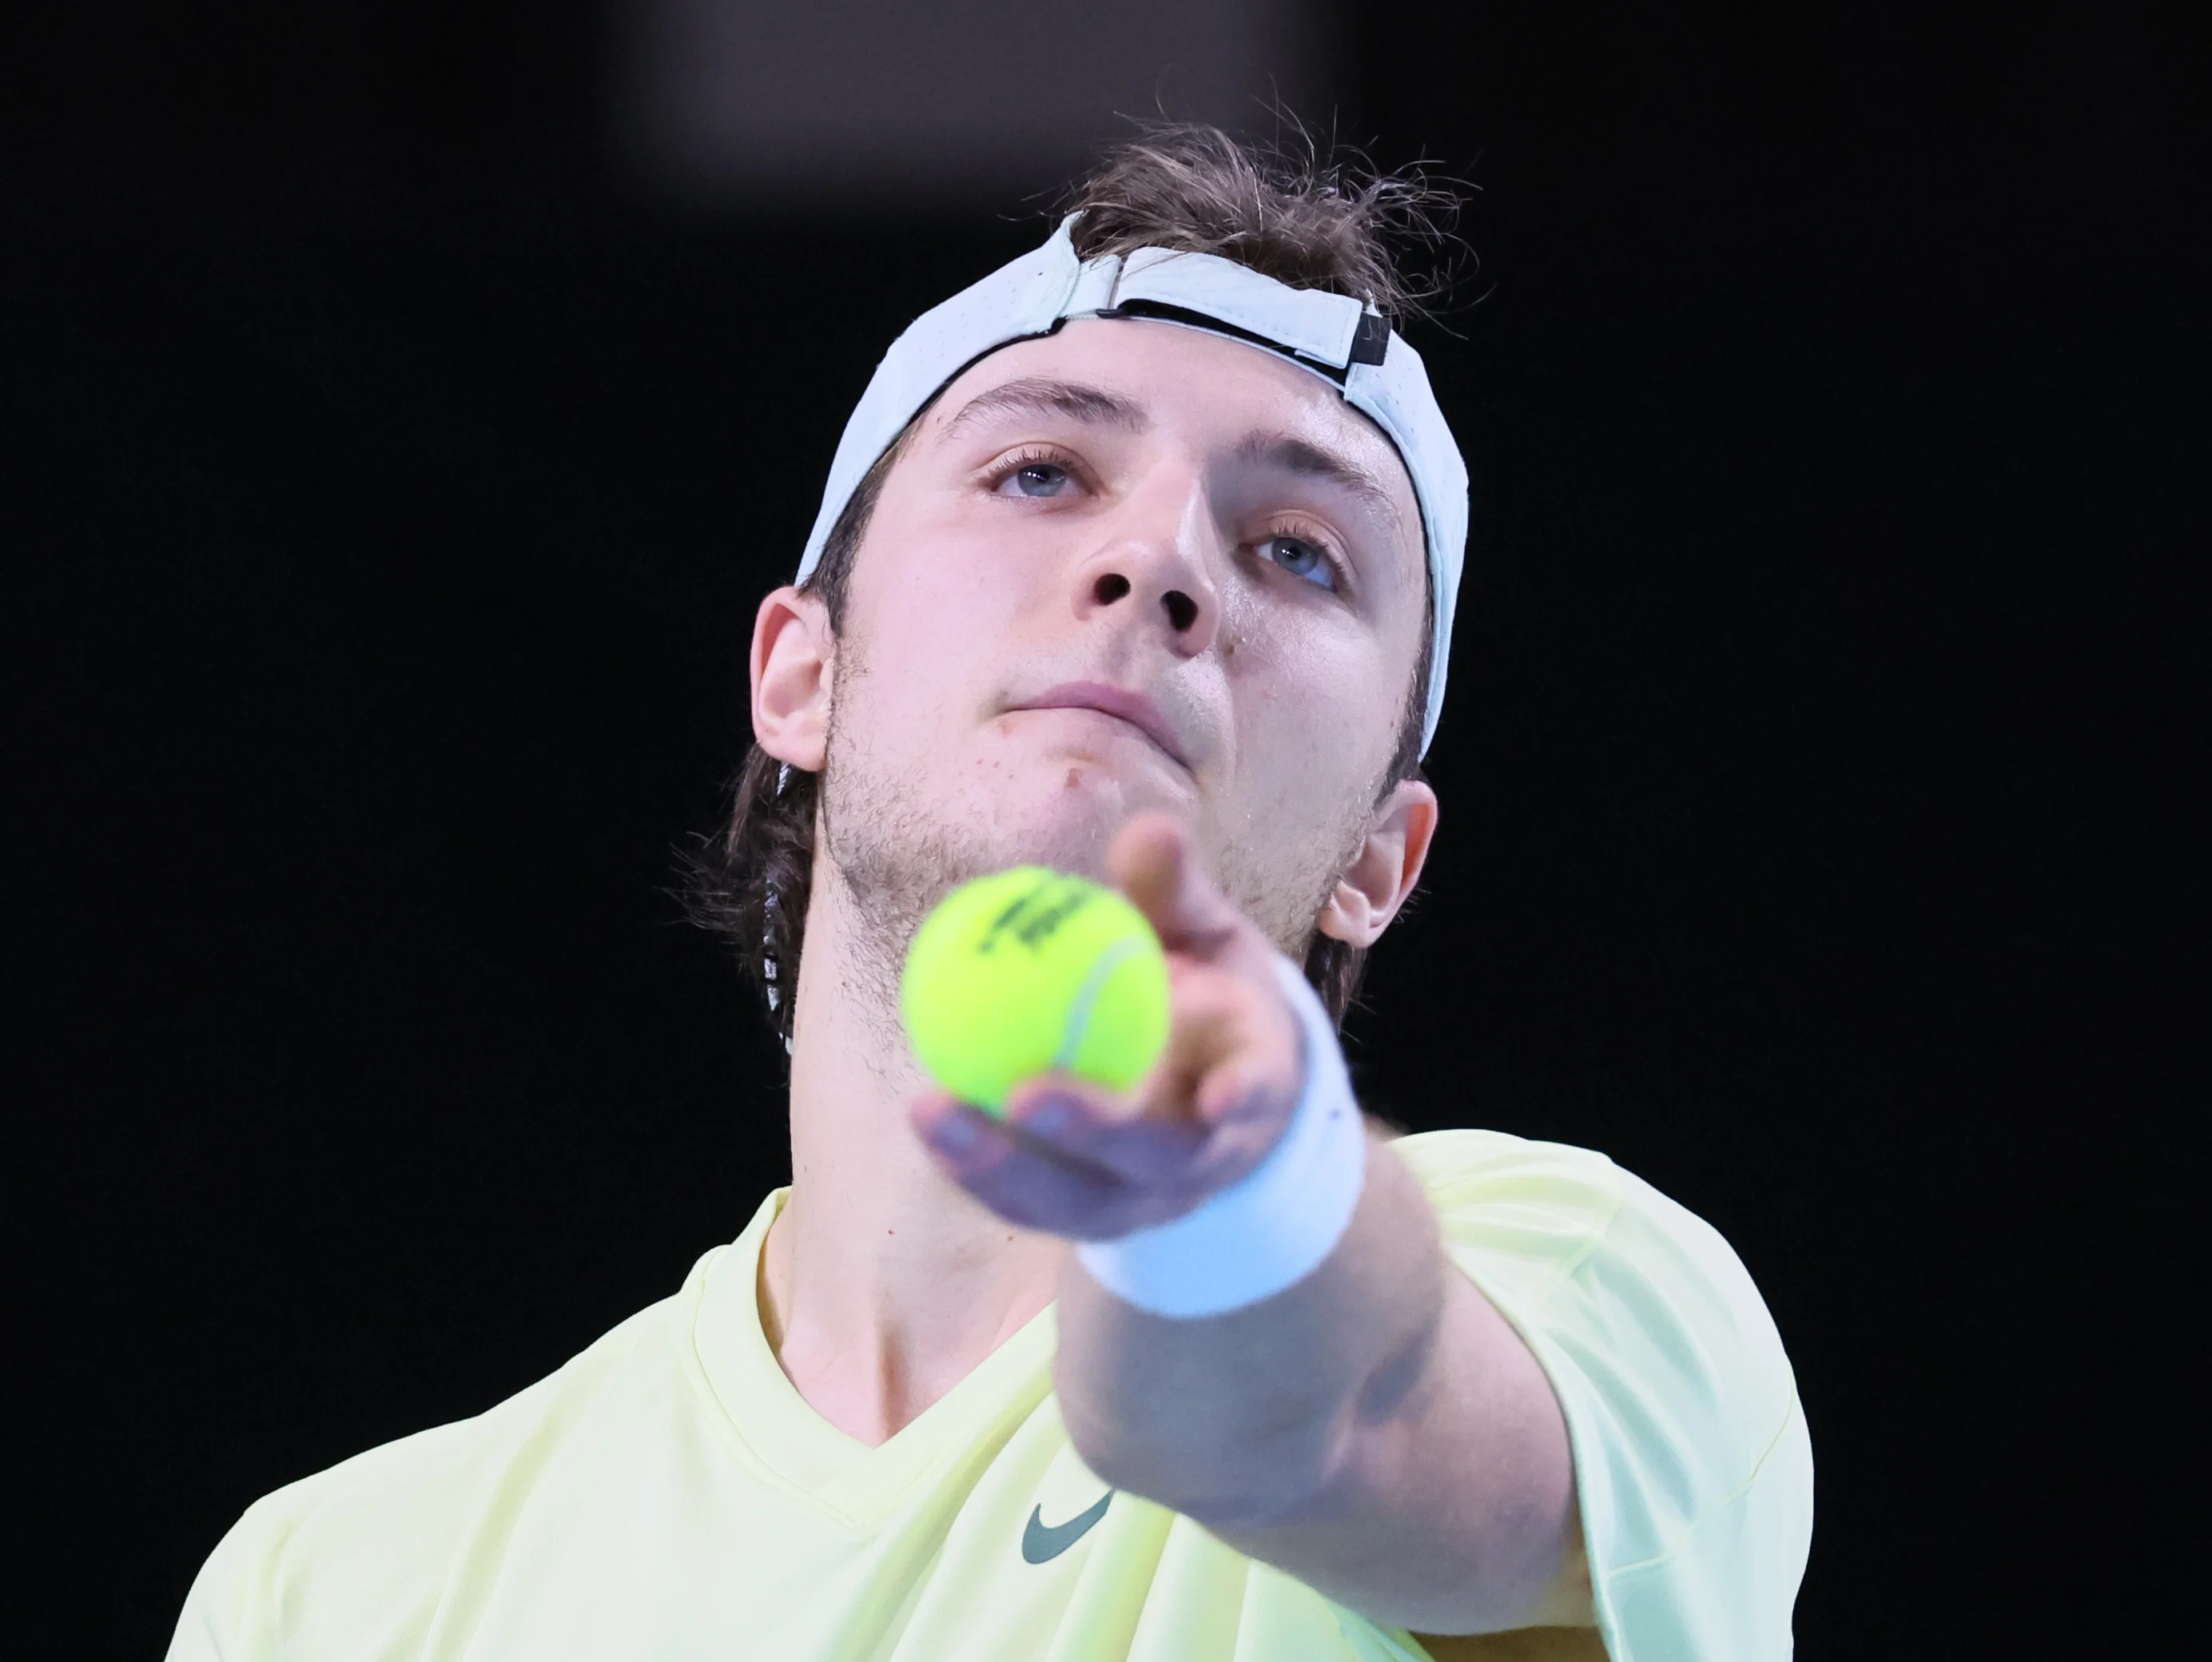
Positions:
{"x": 1151, "y": 862}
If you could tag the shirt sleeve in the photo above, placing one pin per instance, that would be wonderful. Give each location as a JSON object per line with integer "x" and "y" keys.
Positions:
{"x": 1692, "y": 1461}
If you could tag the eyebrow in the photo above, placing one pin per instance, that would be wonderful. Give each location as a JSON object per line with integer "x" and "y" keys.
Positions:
{"x": 1097, "y": 406}
{"x": 1039, "y": 395}
{"x": 1295, "y": 456}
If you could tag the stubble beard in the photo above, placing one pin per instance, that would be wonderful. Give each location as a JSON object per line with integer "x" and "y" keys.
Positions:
{"x": 887, "y": 866}
{"x": 887, "y": 862}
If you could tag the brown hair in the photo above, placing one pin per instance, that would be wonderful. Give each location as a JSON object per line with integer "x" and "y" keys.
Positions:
{"x": 1292, "y": 218}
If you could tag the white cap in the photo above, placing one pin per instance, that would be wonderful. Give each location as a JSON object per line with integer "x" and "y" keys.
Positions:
{"x": 1343, "y": 341}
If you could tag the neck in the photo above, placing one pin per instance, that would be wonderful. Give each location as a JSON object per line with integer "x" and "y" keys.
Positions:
{"x": 883, "y": 1284}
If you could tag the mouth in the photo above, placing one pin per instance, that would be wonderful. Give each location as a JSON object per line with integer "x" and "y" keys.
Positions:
{"x": 1133, "y": 708}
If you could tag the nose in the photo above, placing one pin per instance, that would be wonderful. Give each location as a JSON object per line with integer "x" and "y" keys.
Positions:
{"x": 1154, "y": 560}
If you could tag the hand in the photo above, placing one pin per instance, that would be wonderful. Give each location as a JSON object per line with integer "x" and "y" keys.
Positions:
{"x": 1075, "y": 1159}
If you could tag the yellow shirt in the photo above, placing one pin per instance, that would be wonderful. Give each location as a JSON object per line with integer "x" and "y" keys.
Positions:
{"x": 668, "y": 1494}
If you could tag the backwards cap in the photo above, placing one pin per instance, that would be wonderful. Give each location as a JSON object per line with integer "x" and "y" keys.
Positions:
{"x": 1345, "y": 342}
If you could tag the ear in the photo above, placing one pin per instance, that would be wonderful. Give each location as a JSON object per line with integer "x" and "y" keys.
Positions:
{"x": 1388, "y": 863}
{"x": 791, "y": 659}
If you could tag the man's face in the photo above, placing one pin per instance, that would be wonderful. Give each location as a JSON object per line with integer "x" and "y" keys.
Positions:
{"x": 1127, "y": 565}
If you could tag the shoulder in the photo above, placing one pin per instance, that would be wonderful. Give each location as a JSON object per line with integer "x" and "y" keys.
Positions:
{"x": 1532, "y": 1210}
{"x": 1544, "y": 1224}
{"x": 1616, "y": 1286}
{"x": 355, "y": 1560}
{"x": 1692, "y": 1462}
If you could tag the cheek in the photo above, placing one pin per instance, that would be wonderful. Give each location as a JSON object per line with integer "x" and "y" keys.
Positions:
{"x": 1313, "y": 699}
{"x": 958, "y": 573}
{"x": 927, "y": 586}
{"x": 936, "y": 617}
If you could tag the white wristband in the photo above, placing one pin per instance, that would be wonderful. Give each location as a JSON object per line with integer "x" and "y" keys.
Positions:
{"x": 1273, "y": 1225}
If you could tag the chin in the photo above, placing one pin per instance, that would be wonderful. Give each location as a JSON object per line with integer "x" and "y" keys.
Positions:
{"x": 1063, "y": 810}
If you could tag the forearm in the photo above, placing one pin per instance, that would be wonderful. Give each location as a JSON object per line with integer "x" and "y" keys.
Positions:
{"x": 1242, "y": 1417}
{"x": 1377, "y": 1429}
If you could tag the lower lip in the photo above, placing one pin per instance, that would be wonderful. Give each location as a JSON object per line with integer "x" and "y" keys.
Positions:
{"x": 1119, "y": 723}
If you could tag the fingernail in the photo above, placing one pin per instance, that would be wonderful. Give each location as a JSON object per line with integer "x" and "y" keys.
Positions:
{"x": 1048, "y": 1117}
{"x": 955, "y": 1132}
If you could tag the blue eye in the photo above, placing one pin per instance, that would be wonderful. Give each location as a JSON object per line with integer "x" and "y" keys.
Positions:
{"x": 1040, "y": 478}
{"x": 1301, "y": 559}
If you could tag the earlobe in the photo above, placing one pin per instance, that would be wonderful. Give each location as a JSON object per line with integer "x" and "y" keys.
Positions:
{"x": 792, "y": 657}
{"x": 1383, "y": 874}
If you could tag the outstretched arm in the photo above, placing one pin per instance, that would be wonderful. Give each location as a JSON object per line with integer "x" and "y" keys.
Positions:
{"x": 1376, "y": 1429}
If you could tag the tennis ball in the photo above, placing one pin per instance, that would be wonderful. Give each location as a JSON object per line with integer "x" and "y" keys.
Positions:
{"x": 1030, "y": 971}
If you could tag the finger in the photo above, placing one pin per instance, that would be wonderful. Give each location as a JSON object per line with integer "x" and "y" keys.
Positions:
{"x": 1039, "y": 1187}
{"x": 1151, "y": 861}
{"x": 1035, "y": 1185}
{"x": 1018, "y": 1176}
{"x": 1161, "y": 1169}
{"x": 1184, "y": 1128}
{"x": 1230, "y": 1037}
{"x": 968, "y": 1141}
{"x": 1105, "y": 1129}
{"x": 1035, "y": 1191}
{"x": 1245, "y": 1087}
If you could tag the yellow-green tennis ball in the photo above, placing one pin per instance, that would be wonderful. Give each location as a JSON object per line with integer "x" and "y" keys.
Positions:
{"x": 1032, "y": 971}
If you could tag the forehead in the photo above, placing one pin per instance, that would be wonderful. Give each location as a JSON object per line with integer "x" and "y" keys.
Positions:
{"x": 1201, "y": 389}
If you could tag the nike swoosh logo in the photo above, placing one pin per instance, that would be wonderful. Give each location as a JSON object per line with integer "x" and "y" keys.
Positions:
{"x": 1041, "y": 1544}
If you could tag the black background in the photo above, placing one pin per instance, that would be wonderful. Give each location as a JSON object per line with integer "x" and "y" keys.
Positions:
{"x": 389, "y": 491}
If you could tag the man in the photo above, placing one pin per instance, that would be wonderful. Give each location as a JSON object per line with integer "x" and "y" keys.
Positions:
{"x": 1138, "y": 560}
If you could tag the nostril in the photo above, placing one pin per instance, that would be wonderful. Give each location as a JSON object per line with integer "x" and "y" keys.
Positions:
{"x": 1110, "y": 588}
{"x": 1182, "y": 611}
